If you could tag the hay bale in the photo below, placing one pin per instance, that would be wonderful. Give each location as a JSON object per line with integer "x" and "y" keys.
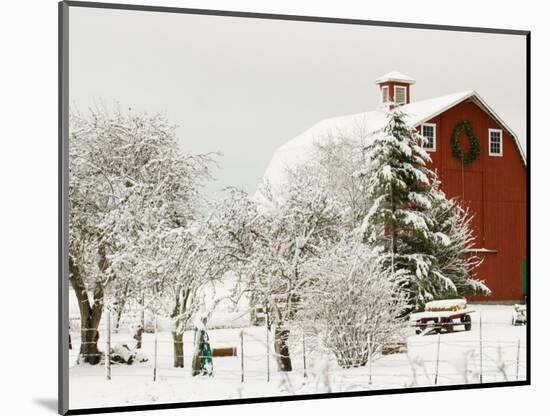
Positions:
{"x": 397, "y": 348}
{"x": 448, "y": 305}
{"x": 224, "y": 352}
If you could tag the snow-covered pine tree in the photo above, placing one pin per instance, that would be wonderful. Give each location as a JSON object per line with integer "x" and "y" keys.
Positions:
{"x": 399, "y": 224}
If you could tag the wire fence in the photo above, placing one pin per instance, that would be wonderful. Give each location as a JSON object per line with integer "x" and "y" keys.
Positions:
{"x": 249, "y": 355}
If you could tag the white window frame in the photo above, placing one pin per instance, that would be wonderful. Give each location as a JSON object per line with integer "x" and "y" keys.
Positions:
{"x": 434, "y": 148}
{"x": 395, "y": 87}
{"x": 499, "y": 131}
{"x": 387, "y": 89}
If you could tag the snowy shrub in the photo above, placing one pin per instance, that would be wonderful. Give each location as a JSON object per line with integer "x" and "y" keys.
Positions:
{"x": 351, "y": 299}
{"x": 126, "y": 354}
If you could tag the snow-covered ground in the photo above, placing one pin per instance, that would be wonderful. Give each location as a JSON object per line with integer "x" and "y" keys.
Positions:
{"x": 459, "y": 363}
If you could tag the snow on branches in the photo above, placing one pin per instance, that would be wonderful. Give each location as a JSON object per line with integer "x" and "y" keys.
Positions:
{"x": 411, "y": 224}
{"x": 354, "y": 234}
{"x": 268, "y": 243}
{"x": 335, "y": 160}
{"x": 129, "y": 186}
{"x": 351, "y": 301}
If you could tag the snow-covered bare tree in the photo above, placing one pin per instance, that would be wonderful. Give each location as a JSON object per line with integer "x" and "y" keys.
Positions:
{"x": 295, "y": 225}
{"x": 127, "y": 179}
{"x": 234, "y": 225}
{"x": 268, "y": 242}
{"x": 352, "y": 300}
{"x": 185, "y": 263}
{"x": 335, "y": 159}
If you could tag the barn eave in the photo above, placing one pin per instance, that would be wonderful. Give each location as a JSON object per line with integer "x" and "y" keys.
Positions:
{"x": 476, "y": 98}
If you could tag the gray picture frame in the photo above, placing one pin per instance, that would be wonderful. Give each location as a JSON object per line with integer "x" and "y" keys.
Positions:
{"x": 63, "y": 178}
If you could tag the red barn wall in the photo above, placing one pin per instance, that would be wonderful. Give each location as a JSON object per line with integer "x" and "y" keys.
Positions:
{"x": 495, "y": 192}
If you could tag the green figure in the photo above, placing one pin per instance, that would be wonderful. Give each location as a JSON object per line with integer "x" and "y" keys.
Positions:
{"x": 202, "y": 356}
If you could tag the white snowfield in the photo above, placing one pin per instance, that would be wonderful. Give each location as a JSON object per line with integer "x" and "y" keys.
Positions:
{"x": 503, "y": 359}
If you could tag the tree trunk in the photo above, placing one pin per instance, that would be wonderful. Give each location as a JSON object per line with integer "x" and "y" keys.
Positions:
{"x": 89, "y": 351}
{"x": 177, "y": 334}
{"x": 120, "y": 303}
{"x": 117, "y": 320}
{"x": 281, "y": 349}
{"x": 178, "y": 349}
{"x": 138, "y": 335}
{"x": 90, "y": 316}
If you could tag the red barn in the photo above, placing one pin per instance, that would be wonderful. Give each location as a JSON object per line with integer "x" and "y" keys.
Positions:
{"x": 492, "y": 185}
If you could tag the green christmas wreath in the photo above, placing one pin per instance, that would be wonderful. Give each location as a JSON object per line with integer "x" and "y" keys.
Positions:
{"x": 472, "y": 155}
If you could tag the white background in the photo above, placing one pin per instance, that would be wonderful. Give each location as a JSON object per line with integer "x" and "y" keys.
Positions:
{"x": 28, "y": 204}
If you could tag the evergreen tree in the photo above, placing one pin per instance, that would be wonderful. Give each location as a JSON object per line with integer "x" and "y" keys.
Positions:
{"x": 399, "y": 225}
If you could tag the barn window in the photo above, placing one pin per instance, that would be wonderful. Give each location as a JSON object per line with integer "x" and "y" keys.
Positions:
{"x": 495, "y": 142}
{"x": 400, "y": 95}
{"x": 385, "y": 94}
{"x": 428, "y": 131}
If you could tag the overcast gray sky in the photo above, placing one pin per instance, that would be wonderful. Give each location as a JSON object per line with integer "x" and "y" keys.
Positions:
{"x": 246, "y": 86}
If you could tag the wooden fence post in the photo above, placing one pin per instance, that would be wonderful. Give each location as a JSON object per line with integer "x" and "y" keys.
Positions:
{"x": 108, "y": 344}
{"x": 267, "y": 338}
{"x": 304, "y": 351}
{"x": 156, "y": 350}
{"x": 437, "y": 358}
{"x": 242, "y": 356}
{"x": 370, "y": 351}
{"x": 480, "y": 349}
{"x": 517, "y": 361}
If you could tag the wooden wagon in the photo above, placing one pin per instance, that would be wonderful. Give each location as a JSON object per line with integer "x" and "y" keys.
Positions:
{"x": 447, "y": 321}
{"x": 443, "y": 315}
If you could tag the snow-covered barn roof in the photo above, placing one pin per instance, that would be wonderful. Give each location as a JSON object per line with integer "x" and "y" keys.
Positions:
{"x": 363, "y": 126}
